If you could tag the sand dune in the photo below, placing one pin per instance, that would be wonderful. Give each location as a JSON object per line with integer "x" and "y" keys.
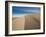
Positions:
{"x": 32, "y": 22}
{"x": 26, "y": 22}
{"x": 18, "y": 23}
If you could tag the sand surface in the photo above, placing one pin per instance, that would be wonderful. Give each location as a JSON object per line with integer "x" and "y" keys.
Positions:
{"x": 18, "y": 23}
{"x": 26, "y": 22}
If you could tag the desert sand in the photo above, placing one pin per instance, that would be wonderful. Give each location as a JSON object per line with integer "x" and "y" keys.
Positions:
{"x": 27, "y": 22}
{"x": 32, "y": 22}
{"x": 18, "y": 23}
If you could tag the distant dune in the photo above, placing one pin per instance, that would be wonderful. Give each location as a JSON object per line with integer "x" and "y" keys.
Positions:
{"x": 26, "y": 22}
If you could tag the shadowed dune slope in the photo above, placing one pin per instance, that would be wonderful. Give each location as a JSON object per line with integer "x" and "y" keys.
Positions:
{"x": 32, "y": 22}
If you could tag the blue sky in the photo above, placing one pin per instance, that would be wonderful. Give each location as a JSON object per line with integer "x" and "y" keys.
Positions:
{"x": 16, "y": 10}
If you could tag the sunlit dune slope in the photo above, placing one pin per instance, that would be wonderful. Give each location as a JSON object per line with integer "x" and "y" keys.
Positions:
{"x": 18, "y": 23}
